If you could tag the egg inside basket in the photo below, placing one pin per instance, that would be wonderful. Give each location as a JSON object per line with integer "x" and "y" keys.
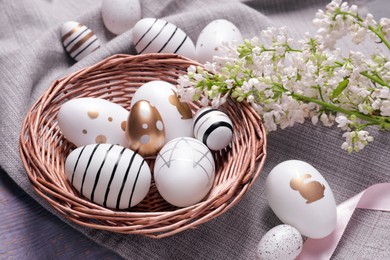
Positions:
{"x": 43, "y": 149}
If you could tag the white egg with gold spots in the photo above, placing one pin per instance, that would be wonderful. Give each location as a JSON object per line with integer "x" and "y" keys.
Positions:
{"x": 86, "y": 121}
{"x": 78, "y": 40}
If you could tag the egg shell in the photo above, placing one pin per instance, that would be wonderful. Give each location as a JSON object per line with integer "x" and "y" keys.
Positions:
{"x": 109, "y": 175}
{"x": 92, "y": 120}
{"x": 120, "y": 15}
{"x": 78, "y": 40}
{"x": 300, "y": 196}
{"x": 151, "y": 35}
{"x": 145, "y": 129}
{"x": 211, "y": 38}
{"x": 281, "y": 242}
{"x": 213, "y": 127}
{"x": 176, "y": 115}
{"x": 184, "y": 171}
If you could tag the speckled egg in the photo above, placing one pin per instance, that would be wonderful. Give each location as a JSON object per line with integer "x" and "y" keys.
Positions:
{"x": 120, "y": 15}
{"x": 213, "y": 36}
{"x": 281, "y": 242}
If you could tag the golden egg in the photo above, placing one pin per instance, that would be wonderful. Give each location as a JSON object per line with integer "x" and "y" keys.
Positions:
{"x": 145, "y": 129}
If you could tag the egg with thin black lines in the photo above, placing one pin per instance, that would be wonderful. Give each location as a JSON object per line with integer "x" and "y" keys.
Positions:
{"x": 213, "y": 127}
{"x": 78, "y": 40}
{"x": 109, "y": 175}
{"x": 152, "y": 35}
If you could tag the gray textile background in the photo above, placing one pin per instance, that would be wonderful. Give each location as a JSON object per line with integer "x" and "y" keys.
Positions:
{"x": 31, "y": 57}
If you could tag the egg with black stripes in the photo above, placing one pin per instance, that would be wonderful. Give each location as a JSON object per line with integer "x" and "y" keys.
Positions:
{"x": 152, "y": 35}
{"x": 78, "y": 40}
{"x": 109, "y": 175}
{"x": 213, "y": 127}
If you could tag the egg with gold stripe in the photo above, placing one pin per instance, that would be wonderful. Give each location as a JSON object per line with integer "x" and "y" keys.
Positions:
{"x": 93, "y": 120}
{"x": 78, "y": 40}
{"x": 109, "y": 175}
{"x": 152, "y": 35}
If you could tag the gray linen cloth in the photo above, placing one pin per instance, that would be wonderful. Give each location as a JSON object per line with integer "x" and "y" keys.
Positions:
{"x": 31, "y": 57}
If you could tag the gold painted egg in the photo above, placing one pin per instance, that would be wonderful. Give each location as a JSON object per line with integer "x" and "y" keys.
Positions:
{"x": 145, "y": 129}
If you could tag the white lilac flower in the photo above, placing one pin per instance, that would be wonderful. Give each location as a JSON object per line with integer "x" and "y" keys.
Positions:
{"x": 288, "y": 81}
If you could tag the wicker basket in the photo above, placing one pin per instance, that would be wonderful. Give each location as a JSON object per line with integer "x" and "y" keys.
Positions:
{"x": 43, "y": 149}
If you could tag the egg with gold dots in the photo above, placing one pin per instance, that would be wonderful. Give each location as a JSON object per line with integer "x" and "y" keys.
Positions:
{"x": 145, "y": 129}
{"x": 86, "y": 121}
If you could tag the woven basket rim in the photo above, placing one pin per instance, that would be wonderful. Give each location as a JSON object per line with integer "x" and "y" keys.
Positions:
{"x": 42, "y": 149}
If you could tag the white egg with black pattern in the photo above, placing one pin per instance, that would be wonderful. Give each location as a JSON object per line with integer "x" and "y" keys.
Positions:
{"x": 184, "y": 171}
{"x": 109, "y": 175}
{"x": 211, "y": 38}
{"x": 152, "y": 35}
{"x": 93, "y": 120}
{"x": 213, "y": 127}
{"x": 78, "y": 40}
{"x": 281, "y": 242}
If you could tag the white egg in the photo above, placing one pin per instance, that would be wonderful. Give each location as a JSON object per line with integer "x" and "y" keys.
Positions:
{"x": 213, "y": 127}
{"x": 301, "y": 197}
{"x": 78, "y": 40}
{"x": 109, "y": 175}
{"x": 120, "y": 15}
{"x": 92, "y": 120}
{"x": 281, "y": 242}
{"x": 184, "y": 171}
{"x": 211, "y": 38}
{"x": 152, "y": 35}
{"x": 176, "y": 115}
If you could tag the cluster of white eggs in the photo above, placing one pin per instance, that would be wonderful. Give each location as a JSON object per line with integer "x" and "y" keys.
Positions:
{"x": 150, "y": 35}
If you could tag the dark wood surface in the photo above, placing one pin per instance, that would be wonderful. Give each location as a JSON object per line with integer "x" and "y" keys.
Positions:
{"x": 28, "y": 231}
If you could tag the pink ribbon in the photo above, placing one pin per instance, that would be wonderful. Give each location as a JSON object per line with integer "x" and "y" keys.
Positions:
{"x": 376, "y": 197}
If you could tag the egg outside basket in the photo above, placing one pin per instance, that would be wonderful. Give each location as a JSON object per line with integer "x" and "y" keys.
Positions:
{"x": 43, "y": 149}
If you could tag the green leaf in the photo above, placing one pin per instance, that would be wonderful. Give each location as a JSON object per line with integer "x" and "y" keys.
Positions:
{"x": 340, "y": 88}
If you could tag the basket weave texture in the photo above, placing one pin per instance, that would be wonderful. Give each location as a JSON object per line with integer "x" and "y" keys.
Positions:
{"x": 43, "y": 149}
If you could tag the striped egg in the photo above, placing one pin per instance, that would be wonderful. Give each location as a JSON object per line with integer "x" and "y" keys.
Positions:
{"x": 151, "y": 35}
{"x": 78, "y": 40}
{"x": 109, "y": 175}
{"x": 213, "y": 127}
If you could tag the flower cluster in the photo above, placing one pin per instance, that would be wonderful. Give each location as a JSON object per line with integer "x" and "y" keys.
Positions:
{"x": 287, "y": 81}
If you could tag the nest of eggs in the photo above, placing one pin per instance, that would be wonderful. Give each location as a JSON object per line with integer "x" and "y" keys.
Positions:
{"x": 43, "y": 149}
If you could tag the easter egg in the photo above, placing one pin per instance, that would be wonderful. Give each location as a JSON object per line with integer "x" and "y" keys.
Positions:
{"x": 78, "y": 40}
{"x": 213, "y": 127}
{"x": 184, "y": 171}
{"x": 92, "y": 120}
{"x": 151, "y": 35}
{"x": 281, "y": 242}
{"x": 120, "y": 15}
{"x": 300, "y": 196}
{"x": 109, "y": 175}
{"x": 211, "y": 38}
{"x": 176, "y": 115}
{"x": 145, "y": 129}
